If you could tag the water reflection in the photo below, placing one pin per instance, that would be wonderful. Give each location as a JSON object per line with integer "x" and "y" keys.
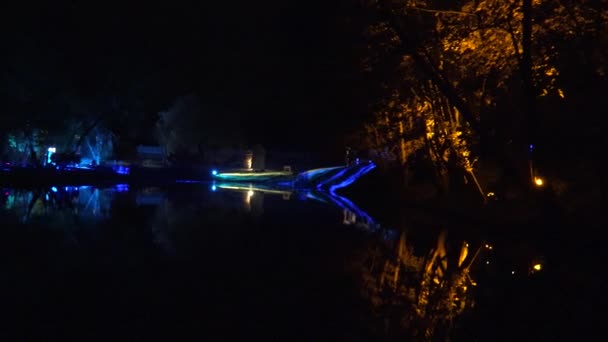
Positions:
{"x": 58, "y": 203}
{"x": 414, "y": 287}
{"x": 421, "y": 292}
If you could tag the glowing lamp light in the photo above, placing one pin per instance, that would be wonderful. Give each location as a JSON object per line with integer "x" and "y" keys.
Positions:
{"x": 51, "y": 151}
{"x": 537, "y": 267}
{"x": 214, "y": 172}
{"x": 53, "y": 189}
{"x": 122, "y": 187}
{"x": 213, "y": 187}
{"x": 538, "y": 181}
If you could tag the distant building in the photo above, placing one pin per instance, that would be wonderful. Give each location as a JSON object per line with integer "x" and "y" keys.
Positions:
{"x": 150, "y": 156}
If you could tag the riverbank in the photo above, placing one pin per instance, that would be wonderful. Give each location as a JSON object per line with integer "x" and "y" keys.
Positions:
{"x": 97, "y": 176}
{"x": 380, "y": 195}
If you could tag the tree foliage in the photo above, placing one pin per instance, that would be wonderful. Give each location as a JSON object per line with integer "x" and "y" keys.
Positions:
{"x": 452, "y": 74}
{"x": 190, "y": 127}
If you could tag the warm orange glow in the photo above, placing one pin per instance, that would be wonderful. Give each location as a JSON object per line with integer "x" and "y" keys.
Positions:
{"x": 538, "y": 181}
{"x": 537, "y": 267}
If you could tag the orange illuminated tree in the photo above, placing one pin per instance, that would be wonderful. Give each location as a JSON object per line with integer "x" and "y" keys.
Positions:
{"x": 477, "y": 67}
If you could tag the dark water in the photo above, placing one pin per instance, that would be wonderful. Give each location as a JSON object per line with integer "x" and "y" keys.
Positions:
{"x": 203, "y": 261}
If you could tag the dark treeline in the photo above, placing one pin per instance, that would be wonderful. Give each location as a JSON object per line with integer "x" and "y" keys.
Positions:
{"x": 270, "y": 70}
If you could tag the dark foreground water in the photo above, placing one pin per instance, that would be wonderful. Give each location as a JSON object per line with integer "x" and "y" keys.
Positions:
{"x": 221, "y": 262}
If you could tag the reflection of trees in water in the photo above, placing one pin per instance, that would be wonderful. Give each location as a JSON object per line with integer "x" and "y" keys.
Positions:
{"x": 419, "y": 295}
{"x": 59, "y": 205}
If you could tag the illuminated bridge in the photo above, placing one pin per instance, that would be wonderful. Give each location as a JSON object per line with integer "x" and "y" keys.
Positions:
{"x": 332, "y": 178}
{"x": 322, "y": 179}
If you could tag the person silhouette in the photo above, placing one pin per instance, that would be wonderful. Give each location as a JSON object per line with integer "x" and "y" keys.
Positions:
{"x": 348, "y": 155}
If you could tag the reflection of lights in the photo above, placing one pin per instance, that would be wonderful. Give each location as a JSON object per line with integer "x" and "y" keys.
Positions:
{"x": 490, "y": 194}
{"x": 248, "y": 196}
{"x": 488, "y": 246}
{"x": 538, "y": 181}
{"x": 52, "y": 150}
{"x": 233, "y": 186}
{"x": 464, "y": 252}
{"x": 53, "y": 189}
{"x": 214, "y": 172}
{"x": 213, "y": 187}
{"x": 537, "y": 267}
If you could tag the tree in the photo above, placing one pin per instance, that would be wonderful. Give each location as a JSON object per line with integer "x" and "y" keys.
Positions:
{"x": 478, "y": 66}
{"x": 188, "y": 127}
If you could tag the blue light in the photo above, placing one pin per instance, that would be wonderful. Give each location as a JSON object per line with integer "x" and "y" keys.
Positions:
{"x": 214, "y": 172}
{"x": 333, "y": 178}
{"x": 213, "y": 187}
{"x": 50, "y": 152}
{"x": 186, "y": 181}
{"x": 348, "y": 181}
{"x": 122, "y": 187}
{"x": 121, "y": 170}
{"x": 53, "y": 189}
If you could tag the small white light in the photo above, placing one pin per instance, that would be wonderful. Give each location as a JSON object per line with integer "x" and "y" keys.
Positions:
{"x": 512, "y": 272}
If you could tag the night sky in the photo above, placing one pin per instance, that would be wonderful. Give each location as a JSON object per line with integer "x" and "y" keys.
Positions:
{"x": 288, "y": 70}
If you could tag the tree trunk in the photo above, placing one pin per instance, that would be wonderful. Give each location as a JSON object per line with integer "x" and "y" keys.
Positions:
{"x": 528, "y": 92}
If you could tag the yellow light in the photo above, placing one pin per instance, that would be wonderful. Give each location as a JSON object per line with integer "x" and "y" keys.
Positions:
{"x": 538, "y": 267}
{"x": 538, "y": 181}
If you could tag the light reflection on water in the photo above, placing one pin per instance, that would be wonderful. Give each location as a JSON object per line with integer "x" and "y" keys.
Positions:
{"x": 420, "y": 288}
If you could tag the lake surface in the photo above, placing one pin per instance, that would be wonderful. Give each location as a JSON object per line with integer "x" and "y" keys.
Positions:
{"x": 192, "y": 261}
